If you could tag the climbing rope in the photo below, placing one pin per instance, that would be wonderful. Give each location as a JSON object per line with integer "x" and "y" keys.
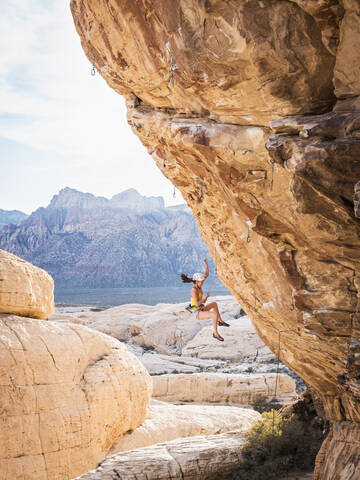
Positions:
{"x": 215, "y": 273}
{"x": 93, "y": 71}
{"x": 278, "y": 368}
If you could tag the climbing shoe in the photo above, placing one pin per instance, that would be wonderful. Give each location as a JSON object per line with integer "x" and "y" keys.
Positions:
{"x": 220, "y": 338}
{"x": 223, "y": 324}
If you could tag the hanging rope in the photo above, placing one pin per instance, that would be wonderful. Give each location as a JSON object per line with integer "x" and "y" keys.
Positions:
{"x": 164, "y": 160}
{"x": 93, "y": 71}
{"x": 278, "y": 369}
{"x": 272, "y": 174}
{"x": 215, "y": 272}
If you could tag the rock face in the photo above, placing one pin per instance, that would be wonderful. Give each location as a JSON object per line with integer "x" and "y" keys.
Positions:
{"x": 67, "y": 394}
{"x": 165, "y": 422}
{"x": 24, "y": 289}
{"x": 223, "y": 387}
{"x": 92, "y": 242}
{"x": 215, "y": 91}
{"x": 212, "y": 457}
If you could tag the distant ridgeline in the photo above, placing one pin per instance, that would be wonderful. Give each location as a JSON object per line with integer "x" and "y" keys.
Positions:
{"x": 93, "y": 242}
{"x": 11, "y": 216}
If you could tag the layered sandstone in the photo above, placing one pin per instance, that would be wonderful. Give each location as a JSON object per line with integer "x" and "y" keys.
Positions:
{"x": 24, "y": 289}
{"x": 223, "y": 387}
{"x": 67, "y": 394}
{"x": 165, "y": 422}
{"x": 217, "y": 91}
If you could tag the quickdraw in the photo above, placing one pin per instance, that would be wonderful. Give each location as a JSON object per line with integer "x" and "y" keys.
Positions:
{"x": 93, "y": 71}
{"x": 272, "y": 175}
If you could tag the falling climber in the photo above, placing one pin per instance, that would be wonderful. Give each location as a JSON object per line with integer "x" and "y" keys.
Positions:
{"x": 198, "y": 301}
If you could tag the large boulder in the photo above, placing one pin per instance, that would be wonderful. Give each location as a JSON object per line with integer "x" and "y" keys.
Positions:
{"x": 165, "y": 422}
{"x": 67, "y": 394}
{"x": 25, "y": 290}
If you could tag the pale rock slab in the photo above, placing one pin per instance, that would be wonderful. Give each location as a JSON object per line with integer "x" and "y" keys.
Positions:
{"x": 212, "y": 457}
{"x": 211, "y": 387}
{"x": 241, "y": 343}
{"x": 166, "y": 328}
{"x": 67, "y": 394}
{"x": 25, "y": 290}
{"x": 165, "y": 422}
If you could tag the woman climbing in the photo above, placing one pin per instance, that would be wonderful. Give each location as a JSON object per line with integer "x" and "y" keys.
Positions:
{"x": 197, "y": 304}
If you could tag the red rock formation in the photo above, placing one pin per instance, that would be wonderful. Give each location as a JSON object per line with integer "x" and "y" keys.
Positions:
{"x": 221, "y": 94}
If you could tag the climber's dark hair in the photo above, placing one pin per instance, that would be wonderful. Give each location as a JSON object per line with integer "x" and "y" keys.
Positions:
{"x": 186, "y": 279}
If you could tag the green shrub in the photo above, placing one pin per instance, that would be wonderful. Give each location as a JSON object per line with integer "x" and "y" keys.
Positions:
{"x": 261, "y": 405}
{"x": 276, "y": 446}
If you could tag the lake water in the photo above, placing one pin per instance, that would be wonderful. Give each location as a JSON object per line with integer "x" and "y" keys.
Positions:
{"x": 108, "y": 297}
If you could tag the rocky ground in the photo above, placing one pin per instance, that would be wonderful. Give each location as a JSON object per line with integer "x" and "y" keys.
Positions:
{"x": 168, "y": 340}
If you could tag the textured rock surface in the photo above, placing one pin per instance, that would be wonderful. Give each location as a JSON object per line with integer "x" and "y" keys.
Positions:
{"x": 273, "y": 195}
{"x": 165, "y": 422}
{"x": 24, "y": 289}
{"x": 66, "y": 395}
{"x": 212, "y": 457}
{"x": 223, "y": 387}
{"x": 241, "y": 344}
{"x": 127, "y": 241}
{"x": 167, "y": 339}
{"x": 166, "y": 328}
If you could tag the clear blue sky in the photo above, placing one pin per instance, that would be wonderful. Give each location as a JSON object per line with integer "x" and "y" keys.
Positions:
{"x": 60, "y": 126}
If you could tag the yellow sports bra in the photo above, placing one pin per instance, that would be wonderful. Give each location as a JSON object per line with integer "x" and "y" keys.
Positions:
{"x": 193, "y": 303}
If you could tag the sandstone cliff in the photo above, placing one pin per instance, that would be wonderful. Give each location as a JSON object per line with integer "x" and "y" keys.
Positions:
{"x": 252, "y": 109}
{"x": 94, "y": 242}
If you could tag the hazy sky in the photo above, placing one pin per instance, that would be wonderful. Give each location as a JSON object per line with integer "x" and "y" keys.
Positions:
{"x": 60, "y": 126}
